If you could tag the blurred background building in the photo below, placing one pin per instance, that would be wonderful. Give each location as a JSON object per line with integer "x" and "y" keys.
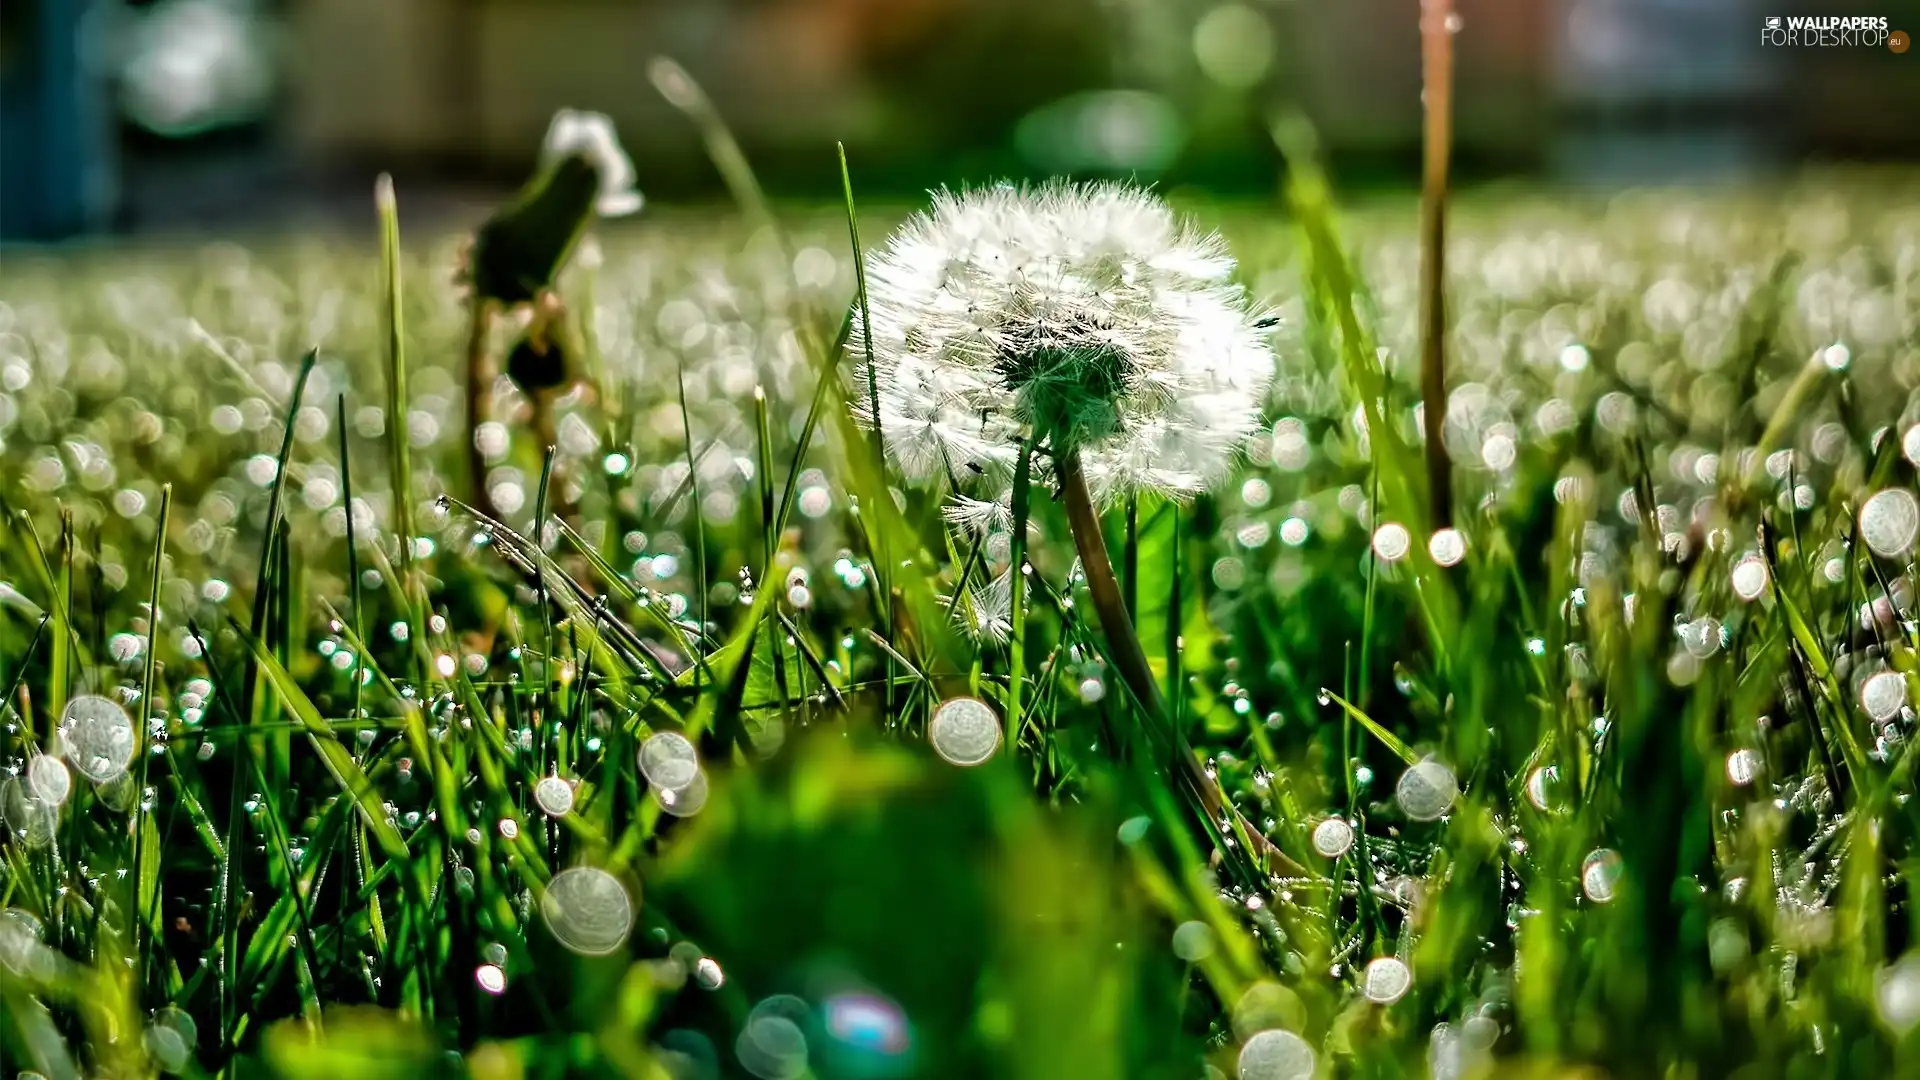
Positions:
{"x": 174, "y": 112}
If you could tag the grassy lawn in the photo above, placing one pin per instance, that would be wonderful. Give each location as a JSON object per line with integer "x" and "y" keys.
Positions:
{"x": 707, "y": 751}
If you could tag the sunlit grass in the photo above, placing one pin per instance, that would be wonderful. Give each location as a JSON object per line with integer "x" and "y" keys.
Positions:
{"x": 1616, "y": 775}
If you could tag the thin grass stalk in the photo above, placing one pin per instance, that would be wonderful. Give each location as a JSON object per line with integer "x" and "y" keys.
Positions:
{"x": 1436, "y": 71}
{"x": 480, "y": 319}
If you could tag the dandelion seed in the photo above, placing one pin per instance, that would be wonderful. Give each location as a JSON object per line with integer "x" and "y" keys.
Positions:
{"x": 592, "y": 135}
{"x": 964, "y": 731}
{"x": 1088, "y": 312}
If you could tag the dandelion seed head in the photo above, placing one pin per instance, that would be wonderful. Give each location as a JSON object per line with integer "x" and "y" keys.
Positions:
{"x": 1088, "y": 312}
{"x": 591, "y": 135}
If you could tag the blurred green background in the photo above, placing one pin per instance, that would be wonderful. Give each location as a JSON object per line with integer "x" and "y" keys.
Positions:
{"x": 188, "y": 112}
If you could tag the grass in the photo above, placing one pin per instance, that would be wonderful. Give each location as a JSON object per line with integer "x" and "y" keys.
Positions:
{"x": 1668, "y": 676}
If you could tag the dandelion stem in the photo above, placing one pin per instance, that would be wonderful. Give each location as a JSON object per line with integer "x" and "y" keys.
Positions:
{"x": 1436, "y": 35}
{"x": 1016, "y": 584}
{"x": 1124, "y": 649}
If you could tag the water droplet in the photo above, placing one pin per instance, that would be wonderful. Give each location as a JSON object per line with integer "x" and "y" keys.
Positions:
{"x": 686, "y": 801}
{"x": 1391, "y": 542}
{"x": 1426, "y": 791}
{"x": 554, "y": 795}
{"x": 491, "y": 978}
{"x": 707, "y": 972}
{"x": 1276, "y": 1055}
{"x": 1882, "y": 695}
{"x": 1333, "y": 837}
{"x": 964, "y": 731}
{"x": 668, "y": 760}
{"x": 1448, "y": 547}
{"x": 48, "y": 780}
{"x": 96, "y": 737}
{"x": 1896, "y": 994}
{"x": 1750, "y": 577}
{"x": 1600, "y": 875}
{"x": 772, "y": 1045}
{"x": 870, "y": 1026}
{"x": 1386, "y": 980}
{"x": 587, "y": 910}
{"x": 1888, "y": 522}
{"x": 1743, "y": 765}
{"x": 1193, "y": 941}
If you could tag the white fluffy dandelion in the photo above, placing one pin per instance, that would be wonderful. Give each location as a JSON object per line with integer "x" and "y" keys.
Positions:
{"x": 1088, "y": 314}
{"x": 591, "y": 135}
{"x": 984, "y": 612}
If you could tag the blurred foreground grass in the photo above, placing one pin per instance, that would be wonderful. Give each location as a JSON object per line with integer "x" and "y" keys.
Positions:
{"x": 1616, "y": 780}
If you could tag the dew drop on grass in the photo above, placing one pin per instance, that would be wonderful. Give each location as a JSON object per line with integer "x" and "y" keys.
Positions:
{"x": 587, "y": 910}
{"x": 168, "y": 1051}
{"x": 964, "y": 731}
{"x": 684, "y": 801}
{"x": 668, "y": 760}
{"x": 1743, "y": 765}
{"x": 1333, "y": 837}
{"x": 1193, "y": 941}
{"x": 1750, "y": 577}
{"x": 1447, "y": 546}
{"x": 1888, "y": 522}
{"x": 1896, "y": 994}
{"x": 554, "y": 795}
{"x": 708, "y": 974}
{"x": 1600, "y": 875}
{"x": 1883, "y": 694}
{"x": 1426, "y": 791}
{"x": 491, "y": 978}
{"x": 1386, "y": 980}
{"x": 772, "y": 1045}
{"x": 1391, "y": 542}
{"x": 1275, "y": 1055}
{"x": 47, "y": 779}
{"x": 96, "y": 737}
